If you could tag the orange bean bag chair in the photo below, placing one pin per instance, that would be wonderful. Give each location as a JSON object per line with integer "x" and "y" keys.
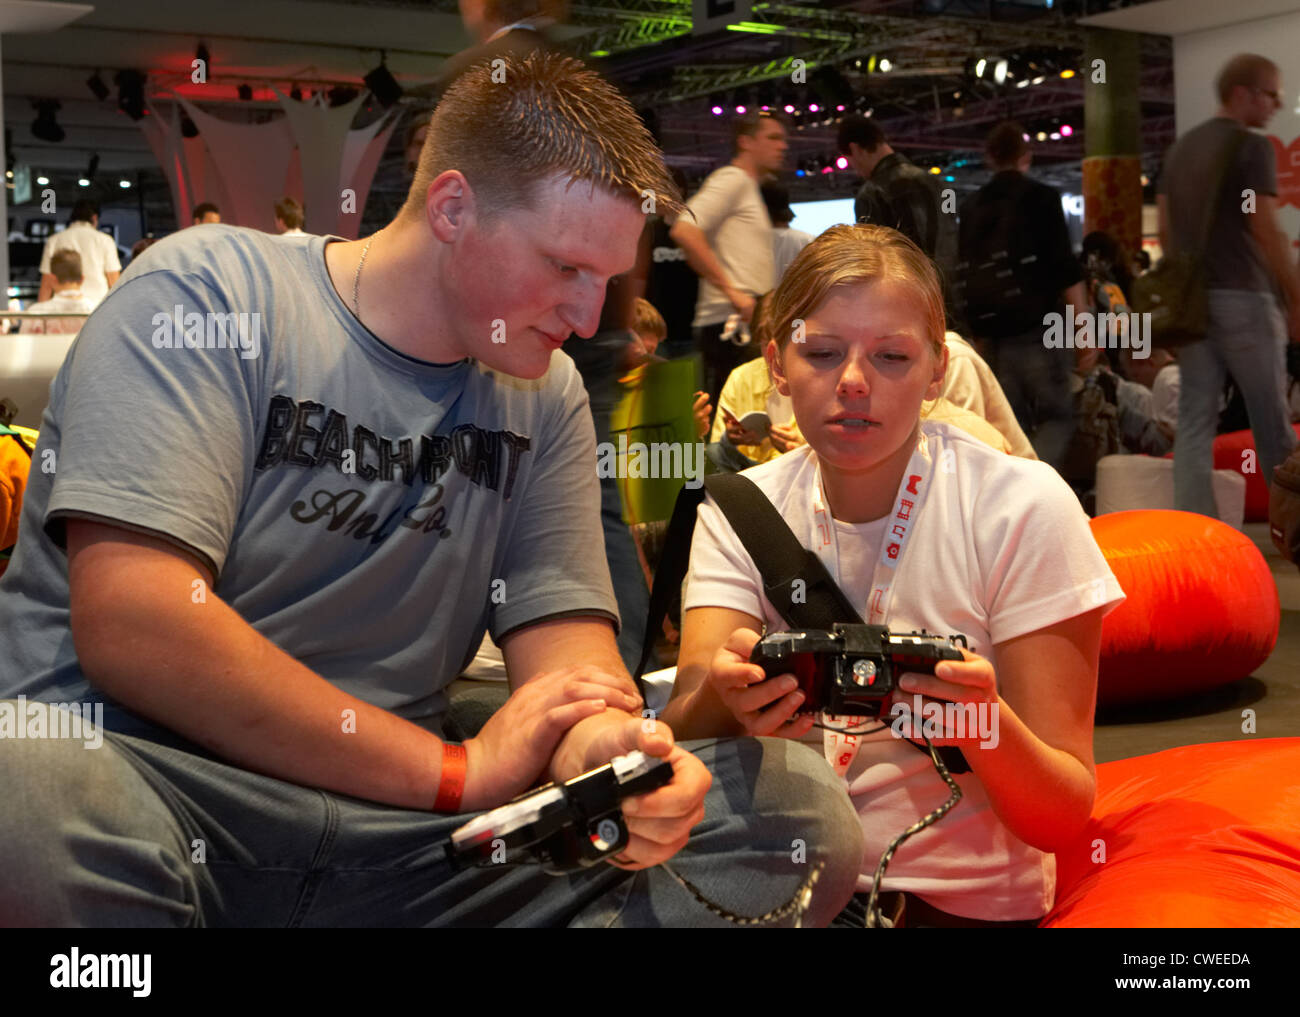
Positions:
{"x": 1228, "y": 449}
{"x": 1202, "y": 608}
{"x": 1204, "y": 836}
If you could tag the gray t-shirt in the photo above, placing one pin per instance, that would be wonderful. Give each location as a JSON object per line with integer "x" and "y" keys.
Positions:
{"x": 369, "y": 513}
{"x": 1234, "y": 261}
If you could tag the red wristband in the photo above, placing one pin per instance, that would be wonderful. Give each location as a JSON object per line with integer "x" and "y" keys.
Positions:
{"x": 451, "y": 785}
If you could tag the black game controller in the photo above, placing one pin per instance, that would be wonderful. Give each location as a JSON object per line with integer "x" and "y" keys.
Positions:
{"x": 852, "y": 669}
{"x": 566, "y": 826}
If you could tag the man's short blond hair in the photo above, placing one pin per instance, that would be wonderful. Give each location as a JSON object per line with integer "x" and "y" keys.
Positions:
{"x": 546, "y": 114}
{"x": 1245, "y": 70}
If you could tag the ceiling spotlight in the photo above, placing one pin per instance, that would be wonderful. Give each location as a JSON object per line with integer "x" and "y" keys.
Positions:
{"x": 841, "y": 163}
{"x": 44, "y": 126}
{"x": 813, "y": 107}
{"x": 1041, "y": 135}
{"x": 935, "y": 170}
{"x": 788, "y": 108}
{"x": 1055, "y": 135}
{"x": 1066, "y": 130}
{"x": 1038, "y": 80}
{"x": 96, "y": 84}
{"x": 717, "y": 111}
{"x": 979, "y": 67}
{"x": 124, "y": 184}
{"x": 130, "y": 93}
{"x": 42, "y": 180}
{"x": 1000, "y": 72}
{"x": 245, "y": 92}
{"x": 740, "y": 110}
{"x": 885, "y": 65}
{"x": 83, "y": 182}
{"x": 1067, "y": 73}
{"x": 382, "y": 84}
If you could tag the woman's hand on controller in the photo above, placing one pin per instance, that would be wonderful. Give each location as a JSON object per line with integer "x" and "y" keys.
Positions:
{"x": 761, "y": 706}
{"x": 971, "y": 680}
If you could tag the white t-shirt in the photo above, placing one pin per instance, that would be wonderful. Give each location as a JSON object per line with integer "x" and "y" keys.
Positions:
{"x": 1164, "y": 395}
{"x": 98, "y": 255}
{"x": 786, "y": 245}
{"x": 67, "y": 302}
{"x": 1000, "y": 547}
{"x": 729, "y": 209}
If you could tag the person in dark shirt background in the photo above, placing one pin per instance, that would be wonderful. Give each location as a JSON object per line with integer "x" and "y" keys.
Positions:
{"x": 1015, "y": 267}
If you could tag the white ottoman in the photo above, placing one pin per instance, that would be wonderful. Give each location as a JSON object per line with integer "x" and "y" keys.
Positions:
{"x": 1144, "y": 482}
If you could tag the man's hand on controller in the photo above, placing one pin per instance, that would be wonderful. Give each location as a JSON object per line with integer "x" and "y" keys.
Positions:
{"x": 517, "y": 743}
{"x": 659, "y": 823}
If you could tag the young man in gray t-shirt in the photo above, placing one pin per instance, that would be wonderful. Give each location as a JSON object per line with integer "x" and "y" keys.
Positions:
{"x": 1247, "y": 260}
{"x": 281, "y": 491}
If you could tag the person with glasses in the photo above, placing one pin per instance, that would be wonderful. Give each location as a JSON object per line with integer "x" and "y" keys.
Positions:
{"x": 1246, "y": 257}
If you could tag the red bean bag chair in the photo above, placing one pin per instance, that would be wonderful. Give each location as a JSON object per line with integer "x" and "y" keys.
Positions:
{"x": 1228, "y": 449}
{"x": 1204, "y": 836}
{"x": 1202, "y": 608}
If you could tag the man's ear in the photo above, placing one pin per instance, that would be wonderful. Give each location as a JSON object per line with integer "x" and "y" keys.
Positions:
{"x": 775, "y": 369}
{"x": 449, "y": 205}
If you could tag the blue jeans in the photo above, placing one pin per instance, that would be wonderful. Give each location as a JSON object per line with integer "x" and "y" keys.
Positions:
{"x": 138, "y": 834}
{"x": 1036, "y": 381}
{"x": 1247, "y": 338}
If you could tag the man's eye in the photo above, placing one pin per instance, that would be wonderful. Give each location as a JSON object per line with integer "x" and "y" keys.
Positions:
{"x": 563, "y": 269}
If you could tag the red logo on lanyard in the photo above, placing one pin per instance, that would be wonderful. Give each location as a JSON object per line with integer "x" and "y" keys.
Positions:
{"x": 904, "y": 509}
{"x": 899, "y": 530}
{"x": 892, "y": 551}
{"x": 912, "y": 481}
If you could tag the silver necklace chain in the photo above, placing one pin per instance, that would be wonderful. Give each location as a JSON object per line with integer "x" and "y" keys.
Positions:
{"x": 356, "y": 279}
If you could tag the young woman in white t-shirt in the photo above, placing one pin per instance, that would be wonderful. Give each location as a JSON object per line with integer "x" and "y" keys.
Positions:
{"x": 923, "y": 528}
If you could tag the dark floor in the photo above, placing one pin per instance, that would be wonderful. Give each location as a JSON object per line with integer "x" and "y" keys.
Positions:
{"x": 1273, "y": 691}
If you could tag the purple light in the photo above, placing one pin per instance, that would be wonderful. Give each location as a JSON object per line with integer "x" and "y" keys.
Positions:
{"x": 839, "y": 109}
{"x": 765, "y": 108}
{"x": 740, "y": 110}
{"x": 1066, "y": 130}
{"x": 841, "y": 163}
{"x": 717, "y": 111}
{"x": 813, "y": 107}
{"x": 826, "y": 169}
{"x": 789, "y": 108}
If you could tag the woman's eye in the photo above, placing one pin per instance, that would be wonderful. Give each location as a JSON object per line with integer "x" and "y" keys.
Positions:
{"x": 564, "y": 269}
{"x": 897, "y": 358}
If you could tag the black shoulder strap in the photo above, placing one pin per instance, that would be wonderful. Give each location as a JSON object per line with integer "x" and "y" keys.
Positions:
{"x": 779, "y": 557}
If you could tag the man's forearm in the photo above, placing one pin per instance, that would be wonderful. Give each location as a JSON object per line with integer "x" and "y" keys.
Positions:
{"x": 204, "y": 672}
{"x": 1278, "y": 255}
{"x": 700, "y": 256}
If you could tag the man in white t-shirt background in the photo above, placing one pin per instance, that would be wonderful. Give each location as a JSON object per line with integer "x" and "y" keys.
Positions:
{"x": 99, "y": 262}
{"x": 728, "y": 242}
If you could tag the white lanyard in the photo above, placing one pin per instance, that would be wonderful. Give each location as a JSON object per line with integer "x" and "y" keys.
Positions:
{"x": 841, "y": 748}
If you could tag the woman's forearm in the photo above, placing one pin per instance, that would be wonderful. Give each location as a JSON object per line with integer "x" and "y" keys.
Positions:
{"x": 1042, "y": 794}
